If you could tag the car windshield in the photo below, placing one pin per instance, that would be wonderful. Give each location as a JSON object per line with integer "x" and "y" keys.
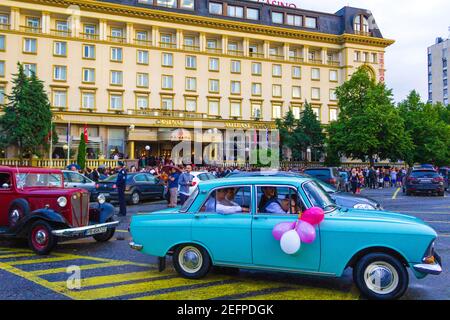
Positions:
{"x": 318, "y": 172}
{"x": 318, "y": 196}
{"x": 189, "y": 201}
{"x": 328, "y": 188}
{"x": 424, "y": 174}
{"x": 39, "y": 180}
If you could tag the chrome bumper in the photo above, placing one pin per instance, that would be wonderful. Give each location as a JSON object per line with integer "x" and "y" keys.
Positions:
{"x": 434, "y": 269}
{"x": 81, "y": 231}
{"x": 136, "y": 246}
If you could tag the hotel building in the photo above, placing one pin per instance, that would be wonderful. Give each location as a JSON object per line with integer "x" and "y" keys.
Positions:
{"x": 144, "y": 72}
{"x": 438, "y": 57}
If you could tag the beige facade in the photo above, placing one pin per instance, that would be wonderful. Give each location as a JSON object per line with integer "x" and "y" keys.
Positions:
{"x": 145, "y": 71}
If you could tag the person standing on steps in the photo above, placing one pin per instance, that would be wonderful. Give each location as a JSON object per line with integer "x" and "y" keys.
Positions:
{"x": 121, "y": 183}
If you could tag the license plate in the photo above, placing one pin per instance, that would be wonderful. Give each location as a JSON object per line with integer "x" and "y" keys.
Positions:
{"x": 95, "y": 231}
{"x": 105, "y": 194}
{"x": 425, "y": 181}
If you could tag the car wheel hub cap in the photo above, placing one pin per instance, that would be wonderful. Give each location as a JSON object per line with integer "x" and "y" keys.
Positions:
{"x": 135, "y": 198}
{"x": 15, "y": 215}
{"x": 41, "y": 237}
{"x": 191, "y": 259}
{"x": 381, "y": 278}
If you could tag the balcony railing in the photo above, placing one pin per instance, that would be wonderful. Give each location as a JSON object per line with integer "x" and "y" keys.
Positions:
{"x": 316, "y": 61}
{"x": 61, "y": 33}
{"x": 89, "y": 36}
{"x": 333, "y": 63}
{"x": 117, "y": 39}
{"x": 256, "y": 54}
{"x": 191, "y": 48}
{"x": 181, "y": 114}
{"x": 31, "y": 29}
{"x": 171, "y": 45}
{"x": 214, "y": 50}
{"x": 276, "y": 57}
{"x": 144, "y": 43}
{"x": 363, "y": 33}
{"x": 296, "y": 59}
{"x": 238, "y": 53}
{"x": 5, "y": 26}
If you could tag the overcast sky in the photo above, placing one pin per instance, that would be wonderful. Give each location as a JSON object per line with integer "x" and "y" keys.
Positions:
{"x": 413, "y": 24}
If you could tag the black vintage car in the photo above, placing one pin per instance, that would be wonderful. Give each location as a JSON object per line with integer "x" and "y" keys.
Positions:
{"x": 139, "y": 186}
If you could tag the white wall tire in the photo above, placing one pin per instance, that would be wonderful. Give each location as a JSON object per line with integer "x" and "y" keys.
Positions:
{"x": 191, "y": 261}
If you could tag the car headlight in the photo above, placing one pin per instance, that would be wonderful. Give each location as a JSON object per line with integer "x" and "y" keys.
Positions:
{"x": 364, "y": 206}
{"x": 101, "y": 199}
{"x": 62, "y": 202}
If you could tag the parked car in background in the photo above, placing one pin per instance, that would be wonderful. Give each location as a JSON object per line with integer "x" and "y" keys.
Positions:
{"x": 327, "y": 175}
{"x": 139, "y": 187}
{"x": 343, "y": 199}
{"x": 200, "y": 176}
{"x": 424, "y": 181}
{"x": 74, "y": 179}
{"x": 380, "y": 247}
{"x": 36, "y": 206}
{"x": 445, "y": 173}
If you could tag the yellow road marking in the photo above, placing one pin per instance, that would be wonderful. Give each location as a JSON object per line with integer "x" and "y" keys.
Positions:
{"x": 396, "y": 193}
{"x": 136, "y": 288}
{"x": 16, "y": 255}
{"x": 43, "y": 260}
{"x": 83, "y": 267}
{"x": 115, "y": 278}
{"x": 214, "y": 291}
{"x": 307, "y": 293}
{"x": 122, "y": 231}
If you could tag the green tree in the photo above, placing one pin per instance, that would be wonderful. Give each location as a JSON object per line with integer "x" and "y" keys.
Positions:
{"x": 427, "y": 126}
{"x": 369, "y": 124}
{"x": 81, "y": 157}
{"x": 27, "y": 121}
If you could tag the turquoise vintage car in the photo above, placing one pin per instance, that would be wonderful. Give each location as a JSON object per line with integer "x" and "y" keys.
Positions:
{"x": 229, "y": 223}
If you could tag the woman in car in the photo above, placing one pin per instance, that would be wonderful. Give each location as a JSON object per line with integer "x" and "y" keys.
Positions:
{"x": 269, "y": 202}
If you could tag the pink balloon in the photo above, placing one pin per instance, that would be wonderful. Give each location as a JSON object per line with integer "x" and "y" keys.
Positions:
{"x": 313, "y": 216}
{"x": 306, "y": 232}
{"x": 281, "y": 229}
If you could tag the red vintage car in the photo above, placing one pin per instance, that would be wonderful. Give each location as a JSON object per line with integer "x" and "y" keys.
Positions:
{"x": 36, "y": 206}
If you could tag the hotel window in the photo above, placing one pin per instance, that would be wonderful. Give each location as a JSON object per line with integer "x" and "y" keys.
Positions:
{"x": 333, "y": 114}
{"x": 167, "y": 82}
{"x": 62, "y": 26}
{"x": 33, "y": 22}
{"x": 296, "y": 92}
{"x": 191, "y": 84}
{"x": 2, "y": 95}
{"x": 167, "y": 103}
{"x": 294, "y": 20}
{"x": 213, "y": 107}
{"x": 276, "y": 111}
{"x": 276, "y": 90}
{"x": 361, "y": 24}
{"x": 213, "y": 64}
{"x": 235, "y": 66}
{"x": 256, "y": 89}
{"x": 213, "y": 85}
{"x": 232, "y": 46}
{"x": 60, "y": 48}
{"x": 333, "y": 95}
{"x": 296, "y": 111}
{"x": 333, "y": 75}
{"x": 89, "y": 75}
{"x": 235, "y": 108}
{"x": 116, "y": 54}
{"x": 315, "y": 74}
{"x": 142, "y": 57}
{"x": 2, "y": 69}
{"x": 187, "y": 4}
{"x": 211, "y": 44}
{"x": 215, "y": 8}
{"x": 365, "y": 56}
{"x": 256, "y": 110}
{"x": 357, "y": 56}
{"x": 235, "y": 11}
{"x": 116, "y": 78}
{"x": 29, "y": 45}
{"x": 189, "y": 42}
{"x": 59, "y": 99}
{"x": 296, "y": 72}
{"x": 90, "y": 29}
{"x": 252, "y": 14}
{"x": 316, "y": 111}
{"x": 29, "y": 69}
{"x": 373, "y": 58}
{"x": 60, "y": 73}
{"x": 235, "y": 87}
{"x": 167, "y": 3}
{"x": 310, "y": 22}
{"x": 276, "y": 70}
{"x": 167, "y": 60}
{"x": 256, "y": 68}
{"x": 116, "y": 101}
{"x": 191, "y": 104}
{"x": 88, "y": 51}
{"x": 191, "y": 62}
{"x": 141, "y": 35}
{"x": 166, "y": 40}
{"x": 277, "y": 17}
{"x": 87, "y": 100}
{"x": 315, "y": 93}
{"x": 4, "y": 19}
{"x": 142, "y": 102}
{"x": 142, "y": 80}
{"x": 2, "y": 42}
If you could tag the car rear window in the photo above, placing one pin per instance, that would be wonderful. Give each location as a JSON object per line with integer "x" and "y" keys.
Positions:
{"x": 318, "y": 172}
{"x": 424, "y": 174}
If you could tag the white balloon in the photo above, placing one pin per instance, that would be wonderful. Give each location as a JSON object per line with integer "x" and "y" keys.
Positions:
{"x": 290, "y": 242}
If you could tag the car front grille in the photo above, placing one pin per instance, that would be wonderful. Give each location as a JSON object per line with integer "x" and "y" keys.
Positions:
{"x": 80, "y": 210}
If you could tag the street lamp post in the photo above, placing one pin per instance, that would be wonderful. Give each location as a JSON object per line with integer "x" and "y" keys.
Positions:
{"x": 66, "y": 148}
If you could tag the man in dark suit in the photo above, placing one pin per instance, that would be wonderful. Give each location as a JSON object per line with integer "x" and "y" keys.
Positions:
{"x": 121, "y": 183}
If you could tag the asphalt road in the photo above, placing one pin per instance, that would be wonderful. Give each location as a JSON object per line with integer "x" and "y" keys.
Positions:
{"x": 113, "y": 271}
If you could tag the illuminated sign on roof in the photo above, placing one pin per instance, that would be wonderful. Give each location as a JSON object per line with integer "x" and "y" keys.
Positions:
{"x": 277, "y": 3}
